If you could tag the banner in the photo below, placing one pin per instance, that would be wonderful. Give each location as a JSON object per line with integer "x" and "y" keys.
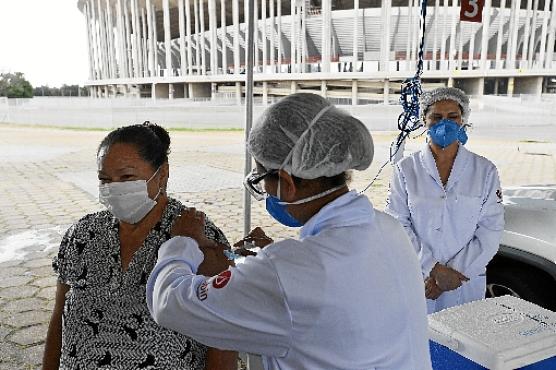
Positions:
{"x": 471, "y": 10}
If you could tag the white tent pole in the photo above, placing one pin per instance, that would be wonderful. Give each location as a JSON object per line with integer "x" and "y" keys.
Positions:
{"x": 248, "y": 112}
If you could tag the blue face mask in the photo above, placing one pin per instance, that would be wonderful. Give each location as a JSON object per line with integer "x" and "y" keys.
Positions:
{"x": 446, "y": 131}
{"x": 277, "y": 209}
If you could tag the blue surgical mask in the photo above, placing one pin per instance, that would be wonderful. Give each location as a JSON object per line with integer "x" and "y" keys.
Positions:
{"x": 445, "y": 132}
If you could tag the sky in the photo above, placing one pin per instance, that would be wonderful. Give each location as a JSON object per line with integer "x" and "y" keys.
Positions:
{"x": 44, "y": 39}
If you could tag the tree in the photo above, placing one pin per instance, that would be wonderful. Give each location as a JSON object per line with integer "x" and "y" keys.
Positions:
{"x": 14, "y": 85}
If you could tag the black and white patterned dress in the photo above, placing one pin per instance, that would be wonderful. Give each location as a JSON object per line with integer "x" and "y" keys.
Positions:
{"x": 106, "y": 323}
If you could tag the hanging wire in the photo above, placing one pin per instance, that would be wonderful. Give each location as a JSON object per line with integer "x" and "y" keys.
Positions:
{"x": 409, "y": 120}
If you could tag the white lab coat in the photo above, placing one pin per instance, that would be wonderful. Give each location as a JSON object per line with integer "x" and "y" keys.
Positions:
{"x": 459, "y": 225}
{"x": 348, "y": 295}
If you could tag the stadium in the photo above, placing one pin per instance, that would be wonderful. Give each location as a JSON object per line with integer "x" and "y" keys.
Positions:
{"x": 357, "y": 51}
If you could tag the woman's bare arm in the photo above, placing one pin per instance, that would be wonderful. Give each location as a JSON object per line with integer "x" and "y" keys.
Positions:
{"x": 221, "y": 360}
{"x": 51, "y": 358}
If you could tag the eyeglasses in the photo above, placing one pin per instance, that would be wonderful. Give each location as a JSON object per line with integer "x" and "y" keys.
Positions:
{"x": 252, "y": 183}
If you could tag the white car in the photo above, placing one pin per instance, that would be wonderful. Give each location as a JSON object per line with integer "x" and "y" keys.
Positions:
{"x": 525, "y": 265}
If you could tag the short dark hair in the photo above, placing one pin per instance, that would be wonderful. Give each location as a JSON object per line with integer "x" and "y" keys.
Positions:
{"x": 151, "y": 140}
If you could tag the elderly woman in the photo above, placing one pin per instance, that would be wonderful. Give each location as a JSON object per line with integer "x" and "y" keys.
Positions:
{"x": 449, "y": 201}
{"x": 100, "y": 318}
{"x": 345, "y": 295}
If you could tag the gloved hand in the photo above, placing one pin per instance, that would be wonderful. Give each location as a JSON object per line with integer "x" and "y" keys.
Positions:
{"x": 257, "y": 237}
{"x": 446, "y": 278}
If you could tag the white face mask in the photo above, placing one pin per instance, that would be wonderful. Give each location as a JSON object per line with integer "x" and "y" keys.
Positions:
{"x": 128, "y": 201}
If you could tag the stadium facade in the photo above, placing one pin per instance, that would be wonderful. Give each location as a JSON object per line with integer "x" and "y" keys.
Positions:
{"x": 357, "y": 50}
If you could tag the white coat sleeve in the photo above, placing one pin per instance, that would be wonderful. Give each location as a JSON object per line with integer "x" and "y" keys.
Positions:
{"x": 473, "y": 258}
{"x": 397, "y": 206}
{"x": 241, "y": 309}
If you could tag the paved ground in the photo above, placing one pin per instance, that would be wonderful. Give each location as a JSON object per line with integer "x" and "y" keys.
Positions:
{"x": 48, "y": 181}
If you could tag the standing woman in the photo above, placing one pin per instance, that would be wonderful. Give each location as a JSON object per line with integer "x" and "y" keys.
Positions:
{"x": 449, "y": 201}
{"x": 100, "y": 318}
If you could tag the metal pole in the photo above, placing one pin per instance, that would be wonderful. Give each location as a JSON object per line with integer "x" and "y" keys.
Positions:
{"x": 248, "y": 112}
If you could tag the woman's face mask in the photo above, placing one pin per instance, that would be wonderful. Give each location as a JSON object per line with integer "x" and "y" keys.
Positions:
{"x": 128, "y": 201}
{"x": 445, "y": 132}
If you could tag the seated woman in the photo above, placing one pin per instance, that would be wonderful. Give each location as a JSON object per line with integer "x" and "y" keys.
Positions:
{"x": 105, "y": 260}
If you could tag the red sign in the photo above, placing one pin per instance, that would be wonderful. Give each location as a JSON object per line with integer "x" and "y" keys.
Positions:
{"x": 221, "y": 280}
{"x": 471, "y": 10}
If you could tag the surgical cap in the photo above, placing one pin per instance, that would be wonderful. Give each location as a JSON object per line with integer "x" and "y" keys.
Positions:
{"x": 446, "y": 93}
{"x": 308, "y": 137}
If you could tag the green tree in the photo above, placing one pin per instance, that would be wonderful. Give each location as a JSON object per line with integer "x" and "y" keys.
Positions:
{"x": 14, "y": 85}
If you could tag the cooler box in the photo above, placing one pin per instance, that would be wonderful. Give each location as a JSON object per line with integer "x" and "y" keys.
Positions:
{"x": 498, "y": 333}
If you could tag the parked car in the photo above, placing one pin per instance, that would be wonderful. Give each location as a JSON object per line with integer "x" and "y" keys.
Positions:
{"x": 525, "y": 265}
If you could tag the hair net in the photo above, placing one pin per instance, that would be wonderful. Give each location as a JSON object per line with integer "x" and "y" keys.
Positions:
{"x": 446, "y": 93}
{"x": 308, "y": 137}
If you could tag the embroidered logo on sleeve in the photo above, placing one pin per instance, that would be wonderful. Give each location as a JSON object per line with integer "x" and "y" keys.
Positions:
{"x": 202, "y": 291}
{"x": 222, "y": 279}
{"x": 499, "y": 195}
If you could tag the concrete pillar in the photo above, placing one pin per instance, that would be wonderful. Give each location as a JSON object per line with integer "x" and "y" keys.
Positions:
{"x": 203, "y": 37}
{"x": 408, "y": 49}
{"x": 189, "y": 38}
{"x": 280, "y": 45}
{"x": 213, "y": 37}
{"x": 235, "y": 15}
{"x": 272, "y": 37}
{"x": 323, "y": 89}
{"x": 453, "y": 35}
{"x": 326, "y": 34}
{"x": 385, "y": 41}
{"x": 144, "y": 45}
{"x": 110, "y": 41}
{"x": 181, "y": 16}
{"x": 354, "y": 92}
{"x": 293, "y": 36}
{"x": 122, "y": 40}
{"x": 213, "y": 90}
{"x": 303, "y": 53}
{"x": 135, "y": 38}
{"x": 435, "y": 31}
{"x": 167, "y": 36}
{"x": 256, "y": 38}
{"x": 155, "y": 41}
{"x": 528, "y": 85}
{"x": 499, "y": 39}
{"x": 224, "y": 38}
{"x": 526, "y": 32}
{"x": 443, "y": 39}
{"x": 496, "y": 86}
{"x": 532, "y": 38}
{"x": 450, "y": 82}
{"x": 265, "y": 92}
{"x": 471, "y": 47}
{"x": 90, "y": 43}
{"x": 170, "y": 91}
{"x": 485, "y": 34}
{"x": 551, "y": 38}
{"x": 511, "y": 82}
{"x": 386, "y": 94}
{"x": 264, "y": 62}
{"x": 356, "y": 33}
{"x": 197, "y": 37}
{"x": 293, "y": 87}
{"x": 238, "y": 93}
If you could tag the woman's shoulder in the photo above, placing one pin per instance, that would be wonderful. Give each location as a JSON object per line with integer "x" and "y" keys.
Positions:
{"x": 91, "y": 220}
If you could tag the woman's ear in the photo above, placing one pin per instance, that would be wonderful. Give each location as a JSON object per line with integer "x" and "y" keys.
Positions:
{"x": 288, "y": 189}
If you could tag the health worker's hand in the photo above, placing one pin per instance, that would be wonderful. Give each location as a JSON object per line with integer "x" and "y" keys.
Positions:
{"x": 447, "y": 278}
{"x": 432, "y": 291}
{"x": 215, "y": 261}
{"x": 257, "y": 237}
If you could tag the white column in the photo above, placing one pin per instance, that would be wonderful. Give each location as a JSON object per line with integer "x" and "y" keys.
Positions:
{"x": 326, "y": 28}
{"x": 280, "y": 43}
{"x": 189, "y": 39}
{"x": 355, "y": 59}
{"x": 167, "y": 37}
{"x": 138, "y": 38}
{"x": 485, "y": 35}
{"x": 460, "y": 44}
{"x": 144, "y": 44}
{"x": 443, "y": 39}
{"x": 323, "y": 89}
{"x": 272, "y": 37}
{"x": 435, "y": 31}
{"x": 408, "y": 48}
{"x": 551, "y": 38}
{"x": 103, "y": 48}
{"x": 136, "y": 41}
{"x": 293, "y": 37}
{"x": 129, "y": 46}
{"x": 532, "y": 37}
{"x": 265, "y": 92}
{"x": 256, "y": 37}
{"x": 122, "y": 57}
{"x": 90, "y": 42}
{"x": 197, "y": 37}
{"x": 511, "y": 30}
{"x": 235, "y": 14}
{"x": 385, "y": 41}
{"x": 224, "y": 30}
{"x": 354, "y": 92}
{"x": 416, "y": 28}
{"x": 183, "y": 57}
{"x": 111, "y": 43}
{"x": 471, "y": 47}
{"x": 264, "y": 39}
{"x": 155, "y": 41}
{"x": 544, "y": 34}
{"x": 453, "y": 34}
{"x": 499, "y": 39}
{"x": 303, "y": 54}
{"x": 526, "y": 32}
{"x": 213, "y": 37}
{"x": 203, "y": 37}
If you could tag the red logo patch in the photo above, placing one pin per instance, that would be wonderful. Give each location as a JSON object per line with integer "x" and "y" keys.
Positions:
{"x": 221, "y": 280}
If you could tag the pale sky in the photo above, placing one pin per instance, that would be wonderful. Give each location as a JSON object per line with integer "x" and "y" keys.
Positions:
{"x": 44, "y": 39}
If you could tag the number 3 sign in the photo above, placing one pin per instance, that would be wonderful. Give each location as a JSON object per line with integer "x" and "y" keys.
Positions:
{"x": 471, "y": 10}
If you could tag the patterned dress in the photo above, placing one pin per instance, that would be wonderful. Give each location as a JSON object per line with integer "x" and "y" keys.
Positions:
{"x": 106, "y": 323}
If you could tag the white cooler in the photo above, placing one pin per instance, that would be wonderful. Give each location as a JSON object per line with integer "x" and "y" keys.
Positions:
{"x": 497, "y": 333}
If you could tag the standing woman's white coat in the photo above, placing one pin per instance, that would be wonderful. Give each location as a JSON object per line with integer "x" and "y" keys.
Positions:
{"x": 457, "y": 224}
